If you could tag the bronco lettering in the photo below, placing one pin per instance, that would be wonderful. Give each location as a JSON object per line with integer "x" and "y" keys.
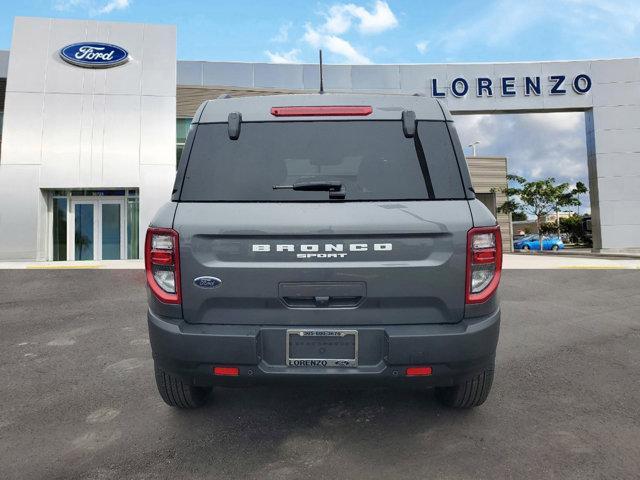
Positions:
{"x": 328, "y": 247}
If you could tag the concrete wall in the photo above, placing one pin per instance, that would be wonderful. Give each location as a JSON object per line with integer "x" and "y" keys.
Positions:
{"x": 612, "y": 107}
{"x": 70, "y": 127}
{"x": 189, "y": 98}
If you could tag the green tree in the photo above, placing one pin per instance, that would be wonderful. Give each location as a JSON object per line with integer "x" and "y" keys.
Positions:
{"x": 548, "y": 228}
{"x": 518, "y": 216}
{"x": 539, "y": 198}
{"x": 572, "y": 226}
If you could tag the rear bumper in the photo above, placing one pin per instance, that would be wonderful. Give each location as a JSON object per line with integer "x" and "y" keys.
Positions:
{"x": 454, "y": 352}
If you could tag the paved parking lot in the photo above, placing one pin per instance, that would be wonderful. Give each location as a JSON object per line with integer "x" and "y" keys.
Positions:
{"x": 77, "y": 398}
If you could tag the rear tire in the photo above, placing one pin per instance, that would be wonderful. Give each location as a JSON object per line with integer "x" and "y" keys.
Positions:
{"x": 555, "y": 248}
{"x": 178, "y": 394}
{"x": 525, "y": 247}
{"x": 469, "y": 394}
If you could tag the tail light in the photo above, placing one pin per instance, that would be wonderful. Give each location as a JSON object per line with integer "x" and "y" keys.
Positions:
{"x": 323, "y": 111}
{"x": 162, "y": 263}
{"x": 484, "y": 263}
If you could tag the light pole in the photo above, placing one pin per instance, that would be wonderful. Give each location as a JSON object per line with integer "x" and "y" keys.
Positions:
{"x": 473, "y": 147}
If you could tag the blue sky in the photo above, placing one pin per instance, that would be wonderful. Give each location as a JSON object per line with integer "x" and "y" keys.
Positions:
{"x": 398, "y": 31}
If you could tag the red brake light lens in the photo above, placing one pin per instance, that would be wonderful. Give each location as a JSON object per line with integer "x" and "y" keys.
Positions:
{"x": 226, "y": 371}
{"x": 161, "y": 258}
{"x": 484, "y": 256}
{"x": 162, "y": 264}
{"x": 418, "y": 371}
{"x": 322, "y": 111}
{"x": 484, "y": 263}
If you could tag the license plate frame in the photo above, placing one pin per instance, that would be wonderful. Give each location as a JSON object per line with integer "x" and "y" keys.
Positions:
{"x": 321, "y": 362}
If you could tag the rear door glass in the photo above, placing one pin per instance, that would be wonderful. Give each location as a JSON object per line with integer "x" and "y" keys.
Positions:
{"x": 372, "y": 159}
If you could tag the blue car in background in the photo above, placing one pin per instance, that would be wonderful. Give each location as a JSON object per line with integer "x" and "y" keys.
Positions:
{"x": 532, "y": 242}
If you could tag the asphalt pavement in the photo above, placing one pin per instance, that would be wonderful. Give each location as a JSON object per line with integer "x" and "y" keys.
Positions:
{"x": 78, "y": 399}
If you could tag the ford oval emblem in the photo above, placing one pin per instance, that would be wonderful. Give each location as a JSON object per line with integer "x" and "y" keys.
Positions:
{"x": 207, "y": 282}
{"x": 94, "y": 55}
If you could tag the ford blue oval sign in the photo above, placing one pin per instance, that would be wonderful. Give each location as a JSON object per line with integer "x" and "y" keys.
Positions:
{"x": 207, "y": 282}
{"x": 94, "y": 55}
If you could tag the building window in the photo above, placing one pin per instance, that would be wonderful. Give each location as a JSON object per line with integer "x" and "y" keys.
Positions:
{"x": 84, "y": 231}
{"x": 98, "y": 193}
{"x": 182, "y": 129}
{"x": 133, "y": 227}
{"x": 60, "y": 228}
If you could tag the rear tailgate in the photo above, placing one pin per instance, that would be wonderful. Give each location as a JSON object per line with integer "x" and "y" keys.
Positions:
{"x": 354, "y": 263}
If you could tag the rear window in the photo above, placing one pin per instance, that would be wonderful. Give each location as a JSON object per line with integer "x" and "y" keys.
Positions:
{"x": 372, "y": 159}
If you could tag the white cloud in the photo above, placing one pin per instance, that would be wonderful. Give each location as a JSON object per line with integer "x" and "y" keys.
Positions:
{"x": 284, "y": 57}
{"x": 622, "y": 15}
{"x": 537, "y": 145}
{"x": 498, "y": 24}
{"x": 422, "y": 46}
{"x": 329, "y": 33}
{"x": 339, "y": 18}
{"x": 92, "y": 7}
{"x": 334, "y": 44}
{"x": 114, "y": 5}
{"x": 604, "y": 23}
{"x": 559, "y": 121}
{"x": 63, "y": 5}
{"x": 283, "y": 33}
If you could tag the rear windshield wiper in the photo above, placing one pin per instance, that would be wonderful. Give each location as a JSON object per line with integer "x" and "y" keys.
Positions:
{"x": 335, "y": 188}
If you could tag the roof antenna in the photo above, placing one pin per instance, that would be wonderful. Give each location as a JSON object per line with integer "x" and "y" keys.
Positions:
{"x": 321, "y": 83}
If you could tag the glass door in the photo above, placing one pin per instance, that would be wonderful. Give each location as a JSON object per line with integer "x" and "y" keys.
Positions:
{"x": 112, "y": 230}
{"x": 93, "y": 224}
{"x": 97, "y": 229}
{"x": 84, "y": 229}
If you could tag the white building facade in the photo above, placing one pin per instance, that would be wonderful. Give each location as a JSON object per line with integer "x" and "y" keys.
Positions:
{"x": 88, "y": 154}
{"x": 92, "y": 147}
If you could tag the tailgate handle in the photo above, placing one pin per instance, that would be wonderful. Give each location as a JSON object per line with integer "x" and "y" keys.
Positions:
{"x": 322, "y": 301}
{"x": 322, "y": 295}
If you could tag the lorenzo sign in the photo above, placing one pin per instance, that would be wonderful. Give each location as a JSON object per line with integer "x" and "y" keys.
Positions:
{"x": 506, "y": 86}
{"x": 94, "y": 55}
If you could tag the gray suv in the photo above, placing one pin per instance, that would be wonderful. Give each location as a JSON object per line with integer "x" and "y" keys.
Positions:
{"x": 323, "y": 238}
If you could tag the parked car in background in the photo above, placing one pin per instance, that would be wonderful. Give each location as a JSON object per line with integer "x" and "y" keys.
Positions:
{"x": 532, "y": 242}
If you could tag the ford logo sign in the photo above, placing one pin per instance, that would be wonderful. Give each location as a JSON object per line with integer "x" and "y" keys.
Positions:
{"x": 207, "y": 282}
{"x": 94, "y": 55}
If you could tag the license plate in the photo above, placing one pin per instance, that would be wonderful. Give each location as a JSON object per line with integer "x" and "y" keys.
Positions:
{"x": 322, "y": 348}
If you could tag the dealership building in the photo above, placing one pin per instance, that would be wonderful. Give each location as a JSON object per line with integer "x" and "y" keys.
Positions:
{"x": 95, "y": 114}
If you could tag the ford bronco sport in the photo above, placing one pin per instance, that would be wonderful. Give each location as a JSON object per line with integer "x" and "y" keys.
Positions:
{"x": 332, "y": 237}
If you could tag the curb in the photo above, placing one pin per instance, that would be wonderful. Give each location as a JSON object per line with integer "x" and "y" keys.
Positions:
{"x": 565, "y": 253}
